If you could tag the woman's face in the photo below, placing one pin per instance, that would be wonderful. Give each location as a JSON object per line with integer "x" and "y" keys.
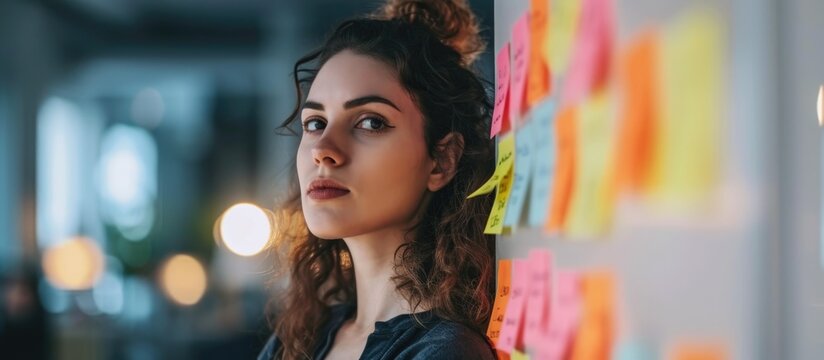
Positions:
{"x": 364, "y": 136}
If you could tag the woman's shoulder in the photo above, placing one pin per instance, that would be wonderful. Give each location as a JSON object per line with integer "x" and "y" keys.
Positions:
{"x": 449, "y": 340}
{"x": 269, "y": 349}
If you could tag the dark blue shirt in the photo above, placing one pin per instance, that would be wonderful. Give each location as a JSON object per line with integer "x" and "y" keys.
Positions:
{"x": 402, "y": 338}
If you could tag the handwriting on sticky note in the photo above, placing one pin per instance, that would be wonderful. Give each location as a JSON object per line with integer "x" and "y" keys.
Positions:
{"x": 521, "y": 177}
{"x": 511, "y": 331}
{"x": 495, "y": 222}
{"x": 538, "y": 295}
{"x": 543, "y": 161}
{"x": 520, "y": 60}
{"x": 500, "y": 113}
{"x": 506, "y": 157}
{"x": 504, "y": 283}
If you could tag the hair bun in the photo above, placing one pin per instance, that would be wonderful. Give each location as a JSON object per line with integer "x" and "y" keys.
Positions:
{"x": 452, "y": 21}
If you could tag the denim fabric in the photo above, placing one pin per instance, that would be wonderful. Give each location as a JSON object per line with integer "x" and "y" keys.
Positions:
{"x": 402, "y": 338}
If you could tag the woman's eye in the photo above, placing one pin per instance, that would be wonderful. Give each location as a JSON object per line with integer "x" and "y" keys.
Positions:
{"x": 373, "y": 124}
{"x": 313, "y": 125}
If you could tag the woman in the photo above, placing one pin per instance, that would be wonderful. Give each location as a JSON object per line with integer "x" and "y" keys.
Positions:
{"x": 394, "y": 264}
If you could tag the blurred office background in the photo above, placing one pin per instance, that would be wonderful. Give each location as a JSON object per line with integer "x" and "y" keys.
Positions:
{"x": 126, "y": 129}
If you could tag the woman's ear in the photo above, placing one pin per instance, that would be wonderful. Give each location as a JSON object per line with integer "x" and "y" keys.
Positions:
{"x": 448, "y": 153}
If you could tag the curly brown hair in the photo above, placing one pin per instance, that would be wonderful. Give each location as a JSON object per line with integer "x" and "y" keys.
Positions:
{"x": 448, "y": 262}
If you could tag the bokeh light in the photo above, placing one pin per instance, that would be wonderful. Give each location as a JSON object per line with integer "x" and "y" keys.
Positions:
{"x": 127, "y": 177}
{"x": 245, "y": 229}
{"x": 74, "y": 264}
{"x": 183, "y": 279}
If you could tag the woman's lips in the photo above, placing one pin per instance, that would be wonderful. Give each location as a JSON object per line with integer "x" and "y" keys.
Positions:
{"x": 326, "y": 193}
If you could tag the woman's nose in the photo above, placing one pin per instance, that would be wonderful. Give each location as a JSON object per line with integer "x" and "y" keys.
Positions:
{"x": 326, "y": 152}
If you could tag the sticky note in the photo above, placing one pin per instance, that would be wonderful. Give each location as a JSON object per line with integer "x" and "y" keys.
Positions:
{"x": 562, "y": 29}
{"x": 636, "y": 126}
{"x": 633, "y": 349}
{"x": 495, "y": 222}
{"x": 538, "y": 81}
{"x": 592, "y": 202}
{"x": 512, "y": 330}
{"x": 520, "y": 173}
{"x": 591, "y": 54}
{"x": 517, "y": 355}
{"x": 686, "y": 350}
{"x": 543, "y": 161}
{"x": 596, "y": 330}
{"x": 686, "y": 157}
{"x": 538, "y": 295}
{"x": 562, "y": 187}
{"x": 503, "y": 166}
{"x": 502, "y": 289}
{"x": 500, "y": 112}
{"x": 520, "y": 62}
{"x": 565, "y": 315}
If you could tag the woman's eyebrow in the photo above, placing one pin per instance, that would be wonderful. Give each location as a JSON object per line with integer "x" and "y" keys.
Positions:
{"x": 363, "y": 100}
{"x": 369, "y": 99}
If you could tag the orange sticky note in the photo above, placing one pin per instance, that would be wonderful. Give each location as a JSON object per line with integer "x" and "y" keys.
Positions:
{"x": 589, "y": 67}
{"x": 503, "y": 287}
{"x": 538, "y": 294}
{"x": 512, "y": 330}
{"x": 565, "y": 315}
{"x": 699, "y": 351}
{"x": 504, "y": 283}
{"x": 538, "y": 81}
{"x": 500, "y": 113}
{"x": 595, "y": 333}
{"x": 565, "y": 129}
{"x": 636, "y": 126}
{"x": 520, "y": 62}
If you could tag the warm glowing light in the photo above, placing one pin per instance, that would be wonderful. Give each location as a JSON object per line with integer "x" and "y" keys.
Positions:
{"x": 183, "y": 279}
{"x": 821, "y": 105}
{"x": 245, "y": 229}
{"x": 74, "y": 264}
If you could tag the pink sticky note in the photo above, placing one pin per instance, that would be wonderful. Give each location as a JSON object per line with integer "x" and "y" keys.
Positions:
{"x": 520, "y": 62}
{"x": 589, "y": 65}
{"x": 500, "y": 115}
{"x": 538, "y": 295}
{"x": 511, "y": 330}
{"x": 566, "y": 313}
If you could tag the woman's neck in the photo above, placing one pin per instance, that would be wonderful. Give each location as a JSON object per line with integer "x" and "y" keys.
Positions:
{"x": 373, "y": 258}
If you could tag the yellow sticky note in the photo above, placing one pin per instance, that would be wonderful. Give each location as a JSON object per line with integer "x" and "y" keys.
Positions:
{"x": 591, "y": 205}
{"x": 495, "y": 223}
{"x": 563, "y": 25}
{"x": 517, "y": 355}
{"x": 687, "y": 152}
{"x": 506, "y": 157}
